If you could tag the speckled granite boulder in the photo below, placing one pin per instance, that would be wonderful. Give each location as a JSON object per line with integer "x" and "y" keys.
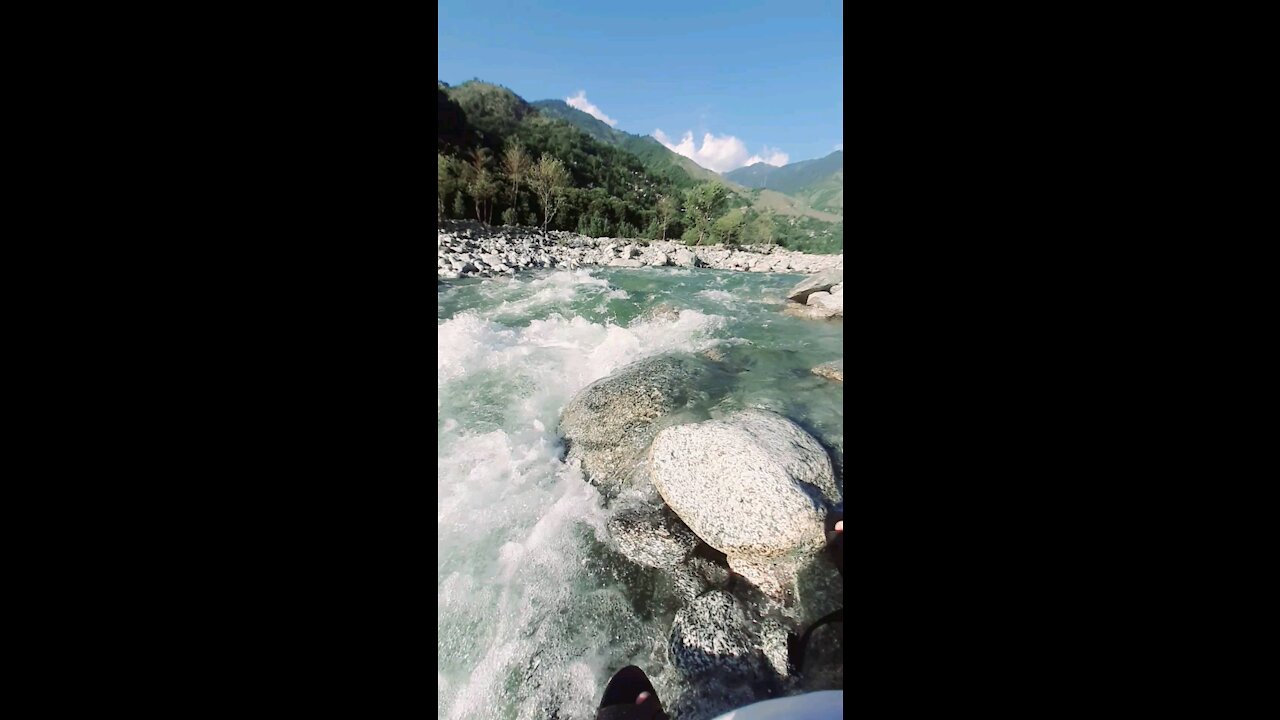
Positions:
{"x": 716, "y": 634}
{"x": 817, "y": 283}
{"x": 653, "y": 537}
{"x": 754, "y": 486}
{"x": 608, "y": 425}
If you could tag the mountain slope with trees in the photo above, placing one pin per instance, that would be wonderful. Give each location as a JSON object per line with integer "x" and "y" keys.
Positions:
{"x": 501, "y": 158}
{"x": 818, "y": 183}
{"x": 656, "y": 156}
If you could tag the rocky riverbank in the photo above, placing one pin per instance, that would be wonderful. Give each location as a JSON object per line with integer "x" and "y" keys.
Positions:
{"x": 469, "y": 249}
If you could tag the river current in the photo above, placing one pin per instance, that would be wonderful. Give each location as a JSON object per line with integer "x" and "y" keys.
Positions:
{"x": 535, "y": 611}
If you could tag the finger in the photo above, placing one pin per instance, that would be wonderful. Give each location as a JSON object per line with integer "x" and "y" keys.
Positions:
{"x": 840, "y": 526}
{"x": 642, "y": 697}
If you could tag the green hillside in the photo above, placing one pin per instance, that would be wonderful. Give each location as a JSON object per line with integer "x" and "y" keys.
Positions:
{"x": 788, "y": 178}
{"x": 655, "y": 155}
{"x": 615, "y": 178}
{"x": 817, "y": 184}
{"x": 820, "y": 202}
{"x": 826, "y": 194}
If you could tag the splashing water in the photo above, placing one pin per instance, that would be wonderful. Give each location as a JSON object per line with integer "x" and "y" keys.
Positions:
{"x": 534, "y": 609}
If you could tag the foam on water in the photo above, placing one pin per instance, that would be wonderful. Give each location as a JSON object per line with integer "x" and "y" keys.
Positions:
{"x": 718, "y": 295}
{"x": 521, "y": 629}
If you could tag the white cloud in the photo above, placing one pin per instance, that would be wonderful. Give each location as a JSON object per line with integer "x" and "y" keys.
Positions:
{"x": 581, "y": 102}
{"x": 839, "y": 146}
{"x": 720, "y": 153}
{"x": 771, "y": 156}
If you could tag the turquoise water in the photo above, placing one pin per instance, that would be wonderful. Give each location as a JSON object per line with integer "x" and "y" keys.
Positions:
{"x": 534, "y": 609}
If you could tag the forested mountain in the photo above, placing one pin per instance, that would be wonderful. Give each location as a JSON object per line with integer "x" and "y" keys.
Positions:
{"x": 654, "y": 154}
{"x": 659, "y": 159}
{"x": 614, "y": 181}
{"x": 819, "y": 183}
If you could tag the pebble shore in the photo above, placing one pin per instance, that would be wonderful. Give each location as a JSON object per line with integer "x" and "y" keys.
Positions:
{"x": 470, "y": 249}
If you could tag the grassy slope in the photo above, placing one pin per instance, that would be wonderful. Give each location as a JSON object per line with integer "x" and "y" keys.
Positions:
{"x": 788, "y": 205}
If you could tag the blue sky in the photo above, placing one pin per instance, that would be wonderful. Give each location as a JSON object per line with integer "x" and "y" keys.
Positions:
{"x": 764, "y": 79}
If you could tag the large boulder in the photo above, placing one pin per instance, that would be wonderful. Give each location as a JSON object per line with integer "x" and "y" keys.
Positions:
{"x": 816, "y": 283}
{"x": 816, "y": 299}
{"x": 830, "y": 301}
{"x": 685, "y": 257}
{"x": 753, "y": 485}
{"x": 609, "y": 424}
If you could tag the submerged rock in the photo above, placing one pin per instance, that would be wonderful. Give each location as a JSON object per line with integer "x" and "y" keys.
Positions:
{"x": 754, "y": 486}
{"x": 662, "y": 311}
{"x": 716, "y": 634}
{"x": 811, "y": 312}
{"x": 833, "y": 370}
{"x": 653, "y": 537}
{"x": 608, "y": 425}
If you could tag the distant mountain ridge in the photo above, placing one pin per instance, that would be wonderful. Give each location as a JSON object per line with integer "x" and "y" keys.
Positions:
{"x": 819, "y": 183}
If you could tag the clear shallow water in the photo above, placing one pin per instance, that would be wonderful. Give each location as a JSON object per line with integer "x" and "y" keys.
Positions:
{"x": 535, "y": 612}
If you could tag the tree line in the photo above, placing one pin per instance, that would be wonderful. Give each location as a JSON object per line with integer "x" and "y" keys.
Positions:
{"x": 537, "y": 193}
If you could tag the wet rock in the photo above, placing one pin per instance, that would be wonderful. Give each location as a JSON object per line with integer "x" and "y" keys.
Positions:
{"x": 817, "y": 283}
{"x": 662, "y": 311}
{"x": 609, "y": 424}
{"x": 833, "y": 370}
{"x": 753, "y": 485}
{"x": 717, "y": 635}
{"x": 653, "y": 537}
{"x": 811, "y": 312}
